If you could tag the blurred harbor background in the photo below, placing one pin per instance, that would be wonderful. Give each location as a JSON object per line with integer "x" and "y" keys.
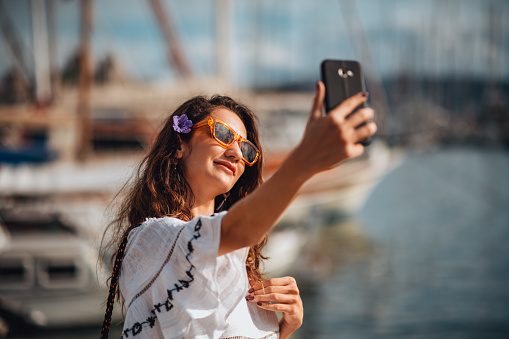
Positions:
{"x": 407, "y": 241}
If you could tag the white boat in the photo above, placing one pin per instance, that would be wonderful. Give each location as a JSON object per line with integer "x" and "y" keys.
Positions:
{"x": 50, "y": 277}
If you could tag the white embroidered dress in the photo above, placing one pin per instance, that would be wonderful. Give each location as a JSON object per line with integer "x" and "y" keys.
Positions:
{"x": 175, "y": 285}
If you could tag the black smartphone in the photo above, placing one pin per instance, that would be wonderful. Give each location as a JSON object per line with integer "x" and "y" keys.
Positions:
{"x": 342, "y": 79}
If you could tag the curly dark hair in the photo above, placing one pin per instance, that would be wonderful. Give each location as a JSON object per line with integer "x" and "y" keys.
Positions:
{"x": 159, "y": 188}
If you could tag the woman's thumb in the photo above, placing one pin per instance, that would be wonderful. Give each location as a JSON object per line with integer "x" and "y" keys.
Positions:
{"x": 317, "y": 109}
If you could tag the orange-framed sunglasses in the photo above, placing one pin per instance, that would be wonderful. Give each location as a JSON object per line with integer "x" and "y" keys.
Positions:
{"x": 226, "y": 136}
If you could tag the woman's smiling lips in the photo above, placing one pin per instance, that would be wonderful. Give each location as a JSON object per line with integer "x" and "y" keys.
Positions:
{"x": 228, "y": 165}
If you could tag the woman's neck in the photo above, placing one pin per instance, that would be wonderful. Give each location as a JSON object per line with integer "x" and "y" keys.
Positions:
{"x": 203, "y": 208}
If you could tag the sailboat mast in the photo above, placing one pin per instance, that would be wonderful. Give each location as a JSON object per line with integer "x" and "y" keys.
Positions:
{"x": 41, "y": 52}
{"x": 51, "y": 7}
{"x": 353, "y": 24}
{"x": 223, "y": 9}
{"x": 174, "y": 53}
{"x": 85, "y": 82}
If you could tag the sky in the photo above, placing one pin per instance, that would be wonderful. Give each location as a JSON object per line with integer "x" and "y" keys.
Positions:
{"x": 280, "y": 42}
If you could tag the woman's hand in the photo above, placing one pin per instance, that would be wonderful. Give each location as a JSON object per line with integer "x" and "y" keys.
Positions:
{"x": 327, "y": 141}
{"x": 282, "y": 295}
{"x": 334, "y": 137}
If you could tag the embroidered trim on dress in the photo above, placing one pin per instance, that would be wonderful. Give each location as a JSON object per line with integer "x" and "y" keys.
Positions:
{"x": 138, "y": 326}
{"x": 159, "y": 271}
{"x": 268, "y": 336}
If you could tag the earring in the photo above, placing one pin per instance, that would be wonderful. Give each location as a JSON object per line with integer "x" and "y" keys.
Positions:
{"x": 175, "y": 170}
{"x": 225, "y": 196}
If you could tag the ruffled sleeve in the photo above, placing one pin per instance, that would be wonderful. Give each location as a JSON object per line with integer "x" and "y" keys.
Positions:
{"x": 173, "y": 282}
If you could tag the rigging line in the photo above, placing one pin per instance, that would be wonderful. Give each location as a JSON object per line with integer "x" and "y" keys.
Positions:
{"x": 353, "y": 21}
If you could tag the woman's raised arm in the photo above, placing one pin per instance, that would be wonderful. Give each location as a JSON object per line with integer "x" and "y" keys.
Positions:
{"x": 327, "y": 141}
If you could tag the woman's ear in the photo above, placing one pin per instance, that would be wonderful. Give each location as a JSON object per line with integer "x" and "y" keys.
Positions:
{"x": 182, "y": 149}
{"x": 180, "y": 153}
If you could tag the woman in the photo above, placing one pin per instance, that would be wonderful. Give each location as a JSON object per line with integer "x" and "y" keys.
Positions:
{"x": 191, "y": 229}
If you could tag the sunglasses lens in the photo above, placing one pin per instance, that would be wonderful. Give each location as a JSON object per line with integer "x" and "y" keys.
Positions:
{"x": 248, "y": 152}
{"x": 223, "y": 134}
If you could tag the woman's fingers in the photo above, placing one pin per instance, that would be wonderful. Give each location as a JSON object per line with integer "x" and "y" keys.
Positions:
{"x": 282, "y": 298}
{"x": 366, "y": 131}
{"x": 281, "y": 302}
{"x": 360, "y": 116}
{"x": 349, "y": 105}
{"x": 286, "y": 308}
{"x": 277, "y": 290}
{"x": 284, "y": 281}
{"x": 360, "y": 122}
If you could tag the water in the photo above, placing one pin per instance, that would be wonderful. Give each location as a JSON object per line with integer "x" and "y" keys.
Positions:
{"x": 426, "y": 257}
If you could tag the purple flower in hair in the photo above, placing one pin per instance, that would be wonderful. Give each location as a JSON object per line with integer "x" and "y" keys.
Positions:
{"x": 181, "y": 124}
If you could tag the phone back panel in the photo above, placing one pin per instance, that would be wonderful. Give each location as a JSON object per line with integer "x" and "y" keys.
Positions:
{"x": 342, "y": 79}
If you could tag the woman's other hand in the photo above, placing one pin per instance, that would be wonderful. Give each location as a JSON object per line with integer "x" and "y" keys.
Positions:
{"x": 334, "y": 137}
{"x": 281, "y": 295}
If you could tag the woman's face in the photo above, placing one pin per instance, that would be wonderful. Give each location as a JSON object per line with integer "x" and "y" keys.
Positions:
{"x": 210, "y": 169}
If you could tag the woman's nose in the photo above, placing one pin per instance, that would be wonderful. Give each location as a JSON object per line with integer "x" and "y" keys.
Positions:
{"x": 234, "y": 151}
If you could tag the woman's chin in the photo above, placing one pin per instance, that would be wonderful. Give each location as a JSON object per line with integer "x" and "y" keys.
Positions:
{"x": 225, "y": 182}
